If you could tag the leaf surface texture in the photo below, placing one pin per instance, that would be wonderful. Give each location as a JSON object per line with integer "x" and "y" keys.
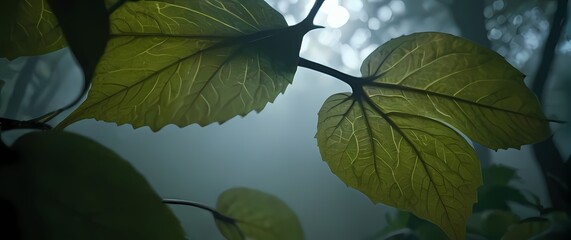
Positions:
{"x": 184, "y": 62}
{"x": 392, "y": 138}
{"x": 258, "y": 215}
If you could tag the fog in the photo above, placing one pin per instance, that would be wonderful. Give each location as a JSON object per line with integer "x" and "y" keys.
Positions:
{"x": 275, "y": 150}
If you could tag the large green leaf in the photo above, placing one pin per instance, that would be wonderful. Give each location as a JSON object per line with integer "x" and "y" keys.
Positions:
{"x": 191, "y": 62}
{"x": 28, "y": 28}
{"x": 453, "y": 80}
{"x": 388, "y": 138}
{"x": 69, "y": 187}
{"x": 258, "y": 215}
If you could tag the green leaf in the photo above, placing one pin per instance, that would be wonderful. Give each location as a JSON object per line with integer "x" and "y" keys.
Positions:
{"x": 85, "y": 24}
{"x": 258, "y": 215}
{"x": 527, "y": 229}
{"x": 409, "y": 162}
{"x": 66, "y": 186}
{"x": 191, "y": 62}
{"x": 391, "y": 138}
{"x": 453, "y": 80}
{"x": 28, "y": 28}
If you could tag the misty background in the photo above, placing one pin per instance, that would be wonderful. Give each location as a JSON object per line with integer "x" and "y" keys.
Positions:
{"x": 275, "y": 150}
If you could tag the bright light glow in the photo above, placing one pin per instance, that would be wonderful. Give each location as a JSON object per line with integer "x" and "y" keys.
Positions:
{"x": 384, "y": 14}
{"x": 337, "y": 17}
{"x": 397, "y": 6}
{"x": 374, "y": 23}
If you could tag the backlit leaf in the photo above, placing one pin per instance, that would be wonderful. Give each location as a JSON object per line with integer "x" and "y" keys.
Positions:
{"x": 409, "y": 162}
{"x": 191, "y": 62}
{"x": 453, "y": 80}
{"x": 66, "y": 186}
{"x": 258, "y": 215}
{"x": 391, "y": 140}
{"x": 28, "y": 28}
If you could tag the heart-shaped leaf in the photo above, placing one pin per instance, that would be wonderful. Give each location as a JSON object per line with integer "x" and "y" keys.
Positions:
{"x": 191, "y": 62}
{"x": 258, "y": 215}
{"x": 66, "y": 186}
{"x": 28, "y": 28}
{"x": 389, "y": 139}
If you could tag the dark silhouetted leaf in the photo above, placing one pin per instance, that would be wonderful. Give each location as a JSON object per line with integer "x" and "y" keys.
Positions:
{"x": 85, "y": 24}
{"x": 66, "y": 186}
{"x": 389, "y": 140}
{"x": 191, "y": 62}
{"x": 526, "y": 229}
{"x": 28, "y": 28}
{"x": 258, "y": 215}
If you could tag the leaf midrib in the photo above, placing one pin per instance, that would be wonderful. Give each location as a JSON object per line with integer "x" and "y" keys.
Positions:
{"x": 452, "y": 98}
{"x": 224, "y": 43}
{"x": 416, "y": 151}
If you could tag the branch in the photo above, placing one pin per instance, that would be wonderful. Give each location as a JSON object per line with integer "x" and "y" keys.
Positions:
{"x": 217, "y": 215}
{"x": 311, "y": 15}
{"x": 346, "y": 78}
{"x": 11, "y": 124}
{"x": 546, "y": 153}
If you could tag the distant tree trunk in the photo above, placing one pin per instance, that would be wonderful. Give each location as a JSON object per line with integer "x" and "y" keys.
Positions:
{"x": 546, "y": 153}
{"x": 24, "y": 79}
{"x": 469, "y": 17}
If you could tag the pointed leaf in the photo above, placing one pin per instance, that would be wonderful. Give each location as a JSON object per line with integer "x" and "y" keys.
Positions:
{"x": 453, "y": 80}
{"x": 258, "y": 215}
{"x": 66, "y": 186}
{"x": 191, "y": 62}
{"x": 28, "y": 28}
{"x": 409, "y": 162}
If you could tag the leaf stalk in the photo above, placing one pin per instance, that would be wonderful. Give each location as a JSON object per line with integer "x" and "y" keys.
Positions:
{"x": 346, "y": 78}
{"x": 213, "y": 211}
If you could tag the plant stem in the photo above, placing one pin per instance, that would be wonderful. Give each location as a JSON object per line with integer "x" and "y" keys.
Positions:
{"x": 311, "y": 16}
{"x": 346, "y": 78}
{"x": 215, "y": 213}
{"x": 10, "y": 124}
